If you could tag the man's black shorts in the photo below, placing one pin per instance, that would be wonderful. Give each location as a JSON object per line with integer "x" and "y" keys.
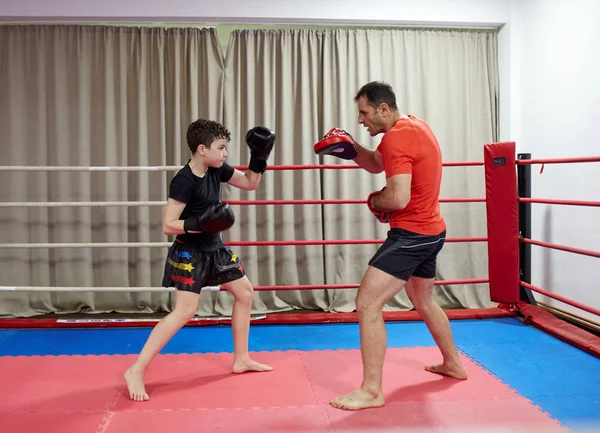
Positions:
{"x": 189, "y": 268}
{"x": 405, "y": 254}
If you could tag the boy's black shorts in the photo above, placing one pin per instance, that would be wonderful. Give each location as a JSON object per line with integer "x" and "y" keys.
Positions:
{"x": 189, "y": 268}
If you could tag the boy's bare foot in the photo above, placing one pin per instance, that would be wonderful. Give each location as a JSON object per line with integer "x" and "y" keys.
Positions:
{"x": 242, "y": 366}
{"x": 357, "y": 400}
{"x": 457, "y": 372}
{"x": 135, "y": 385}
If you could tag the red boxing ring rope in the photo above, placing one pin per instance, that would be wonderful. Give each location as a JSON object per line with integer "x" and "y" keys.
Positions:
{"x": 355, "y": 286}
{"x": 558, "y": 160}
{"x": 337, "y": 201}
{"x": 562, "y": 248}
{"x": 561, "y": 298}
{"x": 563, "y": 202}
{"x": 351, "y": 166}
{"x": 331, "y": 242}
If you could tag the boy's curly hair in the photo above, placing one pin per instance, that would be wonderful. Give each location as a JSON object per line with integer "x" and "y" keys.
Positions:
{"x": 204, "y": 131}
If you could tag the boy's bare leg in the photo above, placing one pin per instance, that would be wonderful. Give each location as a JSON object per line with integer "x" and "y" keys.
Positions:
{"x": 376, "y": 289}
{"x": 243, "y": 292}
{"x": 186, "y": 304}
{"x": 420, "y": 293}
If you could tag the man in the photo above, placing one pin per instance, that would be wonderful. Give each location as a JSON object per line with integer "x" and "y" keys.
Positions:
{"x": 410, "y": 156}
{"x": 198, "y": 258}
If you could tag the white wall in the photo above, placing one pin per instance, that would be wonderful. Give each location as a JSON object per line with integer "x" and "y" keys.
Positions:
{"x": 448, "y": 12}
{"x": 550, "y": 97}
{"x": 555, "y": 111}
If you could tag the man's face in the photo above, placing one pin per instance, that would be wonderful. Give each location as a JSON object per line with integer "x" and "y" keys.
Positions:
{"x": 370, "y": 117}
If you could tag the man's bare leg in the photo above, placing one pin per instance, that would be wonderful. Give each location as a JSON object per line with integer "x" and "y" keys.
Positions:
{"x": 242, "y": 291}
{"x": 375, "y": 290}
{"x": 420, "y": 293}
{"x": 186, "y": 304}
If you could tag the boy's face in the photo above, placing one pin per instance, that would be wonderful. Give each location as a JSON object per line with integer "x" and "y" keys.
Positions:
{"x": 216, "y": 154}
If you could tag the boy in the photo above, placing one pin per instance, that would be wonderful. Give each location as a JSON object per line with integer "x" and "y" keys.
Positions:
{"x": 197, "y": 257}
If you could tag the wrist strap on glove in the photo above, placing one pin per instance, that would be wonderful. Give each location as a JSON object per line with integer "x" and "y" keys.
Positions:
{"x": 257, "y": 165}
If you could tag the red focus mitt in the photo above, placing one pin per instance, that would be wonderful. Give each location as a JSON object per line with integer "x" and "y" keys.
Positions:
{"x": 383, "y": 217}
{"x": 337, "y": 142}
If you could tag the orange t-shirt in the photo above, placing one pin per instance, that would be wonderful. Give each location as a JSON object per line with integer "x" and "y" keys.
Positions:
{"x": 410, "y": 147}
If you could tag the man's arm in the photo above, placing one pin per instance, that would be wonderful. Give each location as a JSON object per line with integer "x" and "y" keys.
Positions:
{"x": 171, "y": 223}
{"x": 248, "y": 180}
{"x": 368, "y": 159}
{"x": 396, "y": 194}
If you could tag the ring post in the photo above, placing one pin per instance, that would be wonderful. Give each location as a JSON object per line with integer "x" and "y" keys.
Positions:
{"x": 502, "y": 209}
{"x": 524, "y": 191}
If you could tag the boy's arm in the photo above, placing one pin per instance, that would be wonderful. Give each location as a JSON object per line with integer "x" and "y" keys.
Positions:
{"x": 171, "y": 223}
{"x": 260, "y": 140}
{"x": 217, "y": 217}
{"x": 248, "y": 180}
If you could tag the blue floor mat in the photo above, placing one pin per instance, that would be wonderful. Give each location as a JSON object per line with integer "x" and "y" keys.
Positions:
{"x": 561, "y": 379}
{"x": 130, "y": 341}
{"x": 262, "y": 338}
{"x": 476, "y": 332}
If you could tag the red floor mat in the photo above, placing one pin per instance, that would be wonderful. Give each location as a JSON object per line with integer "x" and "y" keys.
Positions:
{"x": 196, "y": 393}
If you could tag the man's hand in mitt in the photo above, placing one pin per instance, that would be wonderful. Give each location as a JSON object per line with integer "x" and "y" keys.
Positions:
{"x": 337, "y": 142}
{"x": 382, "y": 217}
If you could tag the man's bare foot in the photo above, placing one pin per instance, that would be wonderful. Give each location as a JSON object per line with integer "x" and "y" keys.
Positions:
{"x": 357, "y": 400}
{"x": 457, "y": 372}
{"x": 135, "y": 385}
{"x": 248, "y": 364}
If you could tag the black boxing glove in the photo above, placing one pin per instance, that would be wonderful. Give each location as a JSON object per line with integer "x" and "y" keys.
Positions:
{"x": 260, "y": 140}
{"x": 215, "y": 218}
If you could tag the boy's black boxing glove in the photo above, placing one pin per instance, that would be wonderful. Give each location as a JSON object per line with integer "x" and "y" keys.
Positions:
{"x": 215, "y": 218}
{"x": 260, "y": 140}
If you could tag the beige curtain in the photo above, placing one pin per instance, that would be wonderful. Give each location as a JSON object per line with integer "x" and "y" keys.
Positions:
{"x": 95, "y": 96}
{"x": 87, "y": 95}
{"x": 273, "y": 78}
{"x": 302, "y": 83}
{"x": 447, "y": 77}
